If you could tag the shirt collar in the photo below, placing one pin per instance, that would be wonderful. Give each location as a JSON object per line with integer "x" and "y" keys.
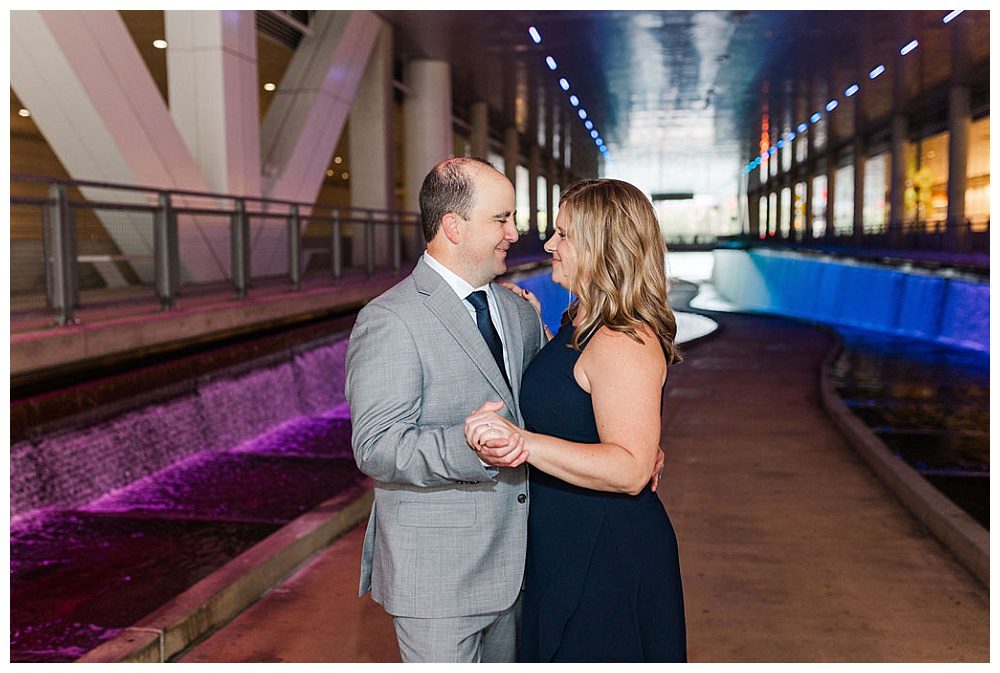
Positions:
{"x": 461, "y": 287}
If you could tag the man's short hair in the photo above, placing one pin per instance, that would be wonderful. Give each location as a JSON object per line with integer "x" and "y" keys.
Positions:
{"x": 448, "y": 188}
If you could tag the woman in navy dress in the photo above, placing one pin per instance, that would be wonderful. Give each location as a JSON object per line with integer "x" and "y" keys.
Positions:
{"x": 602, "y": 580}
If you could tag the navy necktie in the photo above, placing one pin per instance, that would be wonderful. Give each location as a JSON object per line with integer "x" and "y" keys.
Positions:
{"x": 486, "y": 328}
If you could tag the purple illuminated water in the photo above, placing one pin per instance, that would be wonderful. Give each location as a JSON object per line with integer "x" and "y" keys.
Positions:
{"x": 77, "y": 580}
{"x": 113, "y": 520}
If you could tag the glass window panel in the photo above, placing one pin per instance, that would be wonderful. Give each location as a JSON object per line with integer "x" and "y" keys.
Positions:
{"x": 801, "y": 143}
{"x": 875, "y": 208}
{"x": 977, "y": 193}
{"x": 542, "y": 186}
{"x": 843, "y": 201}
{"x": 819, "y": 206}
{"x": 786, "y": 157}
{"x": 762, "y": 216}
{"x": 799, "y": 209}
{"x": 930, "y": 181}
{"x": 523, "y": 206}
{"x": 772, "y": 202}
{"x": 497, "y": 161}
{"x": 786, "y": 210}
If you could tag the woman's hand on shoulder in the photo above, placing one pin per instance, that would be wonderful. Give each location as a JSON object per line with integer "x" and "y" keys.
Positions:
{"x": 526, "y": 295}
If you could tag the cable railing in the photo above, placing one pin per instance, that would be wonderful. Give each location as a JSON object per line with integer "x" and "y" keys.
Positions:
{"x": 86, "y": 243}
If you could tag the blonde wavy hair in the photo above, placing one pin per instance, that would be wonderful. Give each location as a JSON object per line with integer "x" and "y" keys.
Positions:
{"x": 620, "y": 282}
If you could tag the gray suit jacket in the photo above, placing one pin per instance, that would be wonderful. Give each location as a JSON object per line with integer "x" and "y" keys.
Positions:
{"x": 446, "y": 536}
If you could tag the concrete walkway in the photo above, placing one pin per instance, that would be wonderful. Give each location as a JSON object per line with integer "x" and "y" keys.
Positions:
{"x": 791, "y": 550}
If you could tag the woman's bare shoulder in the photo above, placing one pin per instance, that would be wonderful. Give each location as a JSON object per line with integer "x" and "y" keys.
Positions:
{"x": 610, "y": 345}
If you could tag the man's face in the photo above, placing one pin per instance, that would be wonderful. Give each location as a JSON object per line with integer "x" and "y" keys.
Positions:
{"x": 489, "y": 232}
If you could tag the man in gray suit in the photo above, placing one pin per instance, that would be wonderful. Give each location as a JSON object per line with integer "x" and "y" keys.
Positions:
{"x": 445, "y": 546}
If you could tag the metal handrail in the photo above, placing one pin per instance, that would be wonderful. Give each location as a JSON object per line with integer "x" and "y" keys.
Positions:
{"x": 59, "y": 235}
{"x": 23, "y": 177}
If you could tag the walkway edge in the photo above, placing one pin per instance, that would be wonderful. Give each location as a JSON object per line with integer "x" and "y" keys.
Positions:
{"x": 225, "y": 593}
{"x": 951, "y": 525}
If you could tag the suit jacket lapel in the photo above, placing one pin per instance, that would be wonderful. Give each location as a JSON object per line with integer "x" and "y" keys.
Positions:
{"x": 448, "y": 308}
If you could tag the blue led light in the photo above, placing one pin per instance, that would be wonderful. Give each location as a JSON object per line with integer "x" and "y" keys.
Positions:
{"x": 790, "y": 136}
{"x": 876, "y": 71}
{"x": 564, "y": 83}
{"x": 851, "y": 90}
{"x": 951, "y": 15}
{"x": 781, "y": 143}
{"x": 582, "y": 113}
{"x": 533, "y": 32}
{"x": 831, "y": 106}
{"x": 816, "y": 117}
{"x": 589, "y": 124}
{"x": 574, "y": 101}
{"x": 802, "y": 127}
{"x": 772, "y": 149}
{"x": 593, "y": 134}
{"x": 908, "y": 47}
{"x": 551, "y": 62}
{"x": 600, "y": 143}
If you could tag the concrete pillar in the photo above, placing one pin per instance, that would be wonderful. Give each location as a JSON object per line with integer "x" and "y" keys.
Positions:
{"x": 779, "y": 183}
{"x": 92, "y": 97}
{"x": 212, "y": 68}
{"x": 959, "y": 122}
{"x": 563, "y": 138}
{"x": 534, "y": 167}
{"x": 859, "y": 186}
{"x": 831, "y": 184}
{"x": 311, "y": 105}
{"x": 511, "y": 153}
{"x": 900, "y": 131}
{"x": 860, "y": 154}
{"x": 427, "y": 113}
{"x": 371, "y": 144}
{"x": 549, "y": 161}
{"x": 480, "y": 139}
{"x": 810, "y": 173}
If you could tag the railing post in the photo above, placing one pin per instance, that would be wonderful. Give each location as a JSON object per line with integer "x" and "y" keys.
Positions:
{"x": 397, "y": 243}
{"x": 165, "y": 255}
{"x": 62, "y": 234}
{"x": 370, "y": 244}
{"x": 336, "y": 254}
{"x": 295, "y": 248}
{"x": 240, "y": 238}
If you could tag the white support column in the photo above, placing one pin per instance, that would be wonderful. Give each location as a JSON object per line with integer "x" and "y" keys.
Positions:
{"x": 92, "y": 97}
{"x": 311, "y": 104}
{"x": 959, "y": 126}
{"x": 372, "y": 148}
{"x": 480, "y": 130}
{"x": 511, "y": 153}
{"x": 212, "y": 68}
{"x": 427, "y": 114}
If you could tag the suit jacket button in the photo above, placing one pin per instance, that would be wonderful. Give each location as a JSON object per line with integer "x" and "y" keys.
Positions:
{"x": 522, "y": 498}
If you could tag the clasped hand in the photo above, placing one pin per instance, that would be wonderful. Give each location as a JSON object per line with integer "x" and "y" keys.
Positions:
{"x": 496, "y": 441}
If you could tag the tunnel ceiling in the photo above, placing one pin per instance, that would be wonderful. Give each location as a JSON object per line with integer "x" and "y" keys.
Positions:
{"x": 678, "y": 78}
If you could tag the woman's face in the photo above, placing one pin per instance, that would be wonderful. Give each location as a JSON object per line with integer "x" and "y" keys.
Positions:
{"x": 560, "y": 246}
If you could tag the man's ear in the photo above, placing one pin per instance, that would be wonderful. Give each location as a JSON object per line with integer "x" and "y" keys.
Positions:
{"x": 451, "y": 225}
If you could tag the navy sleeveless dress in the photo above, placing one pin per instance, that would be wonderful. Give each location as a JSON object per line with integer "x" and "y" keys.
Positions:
{"x": 602, "y": 580}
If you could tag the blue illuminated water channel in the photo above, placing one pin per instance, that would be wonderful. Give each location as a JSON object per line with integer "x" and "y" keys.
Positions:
{"x": 81, "y": 575}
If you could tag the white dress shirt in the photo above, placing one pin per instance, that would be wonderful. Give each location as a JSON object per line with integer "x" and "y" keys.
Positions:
{"x": 463, "y": 290}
